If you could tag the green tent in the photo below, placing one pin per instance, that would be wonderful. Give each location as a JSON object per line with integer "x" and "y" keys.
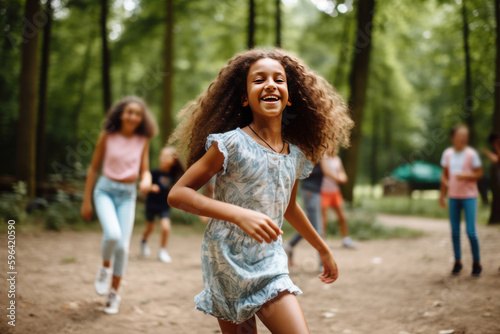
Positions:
{"x": 420, "y": 175}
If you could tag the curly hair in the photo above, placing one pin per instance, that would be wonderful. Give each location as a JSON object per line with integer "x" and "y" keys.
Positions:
{"x": 318, "y": 120}
{"x": 113, "y": 121}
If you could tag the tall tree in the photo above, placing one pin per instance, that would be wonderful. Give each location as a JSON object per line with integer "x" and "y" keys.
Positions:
{"x": 495, "y": 177}
{"x": 81, "y": 91}
{"x": 42, "y": 93}
{"x": 106, "y": 64}
{"x": 468, "y": 101}
{"x": 278, "y": 23}
{"x": 26, "y": 139}
{"x": 374, "y": 149}
{"x": 358, "y": 85}
{"x": 167, "y": 83}
{"x": 251, "y": 24}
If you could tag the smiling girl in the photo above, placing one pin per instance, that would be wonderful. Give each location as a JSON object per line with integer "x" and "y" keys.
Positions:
{"x": 123, "y": 151}
{"x": 261, "y": 121}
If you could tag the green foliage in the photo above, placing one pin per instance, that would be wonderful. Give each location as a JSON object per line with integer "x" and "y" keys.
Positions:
{"x": 362, "y": 225}
{"x": 415, "y": 86}
{"x": 12, "y": 205}
{"x": 422, "y": 207}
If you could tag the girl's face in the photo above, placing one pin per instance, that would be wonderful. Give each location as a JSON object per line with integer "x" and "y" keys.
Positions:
{"x": 132, "y": 116}
{"x": 267, "y": 90}
{"x": 460, "y": 138}
{"x": 167, "y": 158}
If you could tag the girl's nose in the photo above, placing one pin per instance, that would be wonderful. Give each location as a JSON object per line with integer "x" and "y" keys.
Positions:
{"x": 270, "y": 86}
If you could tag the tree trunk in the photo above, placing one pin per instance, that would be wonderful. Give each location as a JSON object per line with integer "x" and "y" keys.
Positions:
{"x": 75, "y": 117}
{"x": 495, "y": 181}
{"x": 26, "y": 140}
{"x": 278, "y": 23}
{"x": 42, "y": 92}
{"x": 341, "y": 68}
{"x": 469, "y": 100}
{"x": 167, "y": 83}
{"x": 251, "y": 24}
{"x": 374, "y": 152}
{"x": 106, "y": 64}
{"x": 358, "y": 83}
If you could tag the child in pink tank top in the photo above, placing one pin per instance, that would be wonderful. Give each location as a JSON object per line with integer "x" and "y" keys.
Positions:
{"x": 461, "y": 170}
{"x": 123, "y": 151}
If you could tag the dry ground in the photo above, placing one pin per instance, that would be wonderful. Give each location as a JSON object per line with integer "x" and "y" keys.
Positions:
{"x": 386, "y": 286}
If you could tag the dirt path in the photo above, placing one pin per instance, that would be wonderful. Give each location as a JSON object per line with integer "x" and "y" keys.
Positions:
{"x": 388, "y": 286}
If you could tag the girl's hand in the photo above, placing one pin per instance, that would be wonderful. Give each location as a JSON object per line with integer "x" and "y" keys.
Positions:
{"x": 258, "y": 225}
{"x": 86, "y": 210}
{"x": 330, "y": 270}
{"x": 145, "y": 186}
{"x": 155, "y": 188}
{"x": 442, "y": 202}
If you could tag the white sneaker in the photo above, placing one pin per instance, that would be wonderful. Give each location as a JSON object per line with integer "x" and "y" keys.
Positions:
{"x": 348, "y": 243}
{"x": 112, "y": 302}
{"x": 145, "y": 251}
{"x": 103, "y": 280}
{"x": 163, "y": 256}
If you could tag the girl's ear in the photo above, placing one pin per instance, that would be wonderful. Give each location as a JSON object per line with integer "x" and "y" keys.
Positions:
{"x": 244, "y": 101}
{"x": 289, "y": 103}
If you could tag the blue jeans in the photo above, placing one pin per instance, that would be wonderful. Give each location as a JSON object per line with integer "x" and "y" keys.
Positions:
{"x": 470, "y": 208}
{"x": 115, "y": 207}
{"x": 313, "y": 211}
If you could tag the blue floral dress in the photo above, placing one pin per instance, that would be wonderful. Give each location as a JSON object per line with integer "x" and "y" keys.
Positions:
{"x": 240, "y": 274}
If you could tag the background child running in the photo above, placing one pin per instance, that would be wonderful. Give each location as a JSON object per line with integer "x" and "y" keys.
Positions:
{"x": 258, "y": 152}
{"x": 123, "y": 151}
{"x": 156, "y": 202}
{"x": 311, "y": 196}
{"x": 331, "y": 197}
{"x": 461, "y": 170}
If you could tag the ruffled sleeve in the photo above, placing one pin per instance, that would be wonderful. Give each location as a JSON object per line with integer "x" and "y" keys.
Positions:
{"x": 225, "y": 144}
{"x": 304, "y": 166}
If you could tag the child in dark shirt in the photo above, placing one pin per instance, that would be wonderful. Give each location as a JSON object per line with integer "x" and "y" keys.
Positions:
{"x": 156, "y": 202}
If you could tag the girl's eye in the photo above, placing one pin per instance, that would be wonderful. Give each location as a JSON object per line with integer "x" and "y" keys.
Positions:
{"x": 258, "y": 80}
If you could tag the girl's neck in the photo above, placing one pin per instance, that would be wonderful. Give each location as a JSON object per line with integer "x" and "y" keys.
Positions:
{"x": 268, "y": 129}
{"x": 126, "y": 133}
{"x": 459, "y": 149}
{"x": 166, "y": 169}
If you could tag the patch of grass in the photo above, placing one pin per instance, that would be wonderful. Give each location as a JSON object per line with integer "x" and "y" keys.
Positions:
{"x": 363, "y": 226}
{"x": 69, "y": 259}
{"x": 422, "y": 207}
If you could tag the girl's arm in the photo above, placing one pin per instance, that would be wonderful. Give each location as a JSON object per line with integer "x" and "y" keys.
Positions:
{"x": 472, "y": 176}
{"x": 339, "y": 178}
{"x": 444, "y": 187}
{"x": 146, "y": 180}
{"x": 86, "y": 209}
{"x": 184, "y": 196}
{"x": 492, "y": 156}
{"x": 298, "y": 219}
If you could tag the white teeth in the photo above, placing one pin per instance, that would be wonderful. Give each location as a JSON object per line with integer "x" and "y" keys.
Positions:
{"x": 268, "y": 98}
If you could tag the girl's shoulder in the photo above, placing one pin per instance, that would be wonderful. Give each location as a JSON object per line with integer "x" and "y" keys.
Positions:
{"x": 226, "y": 138}
{"x": 471, "y": 150}
{"x": 448, "y": 151}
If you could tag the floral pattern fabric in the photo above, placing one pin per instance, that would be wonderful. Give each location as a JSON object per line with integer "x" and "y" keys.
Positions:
{"x": 240, "y": 274}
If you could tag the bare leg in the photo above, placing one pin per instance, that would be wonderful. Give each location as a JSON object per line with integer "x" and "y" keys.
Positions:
{"x": 324, "y": 214}
{"x": 247, "y": 327}
{"x": 115, "y": 284}
{"x": 150, "y": 226}
{"x": 165, "y": 231}
{"x": 283, "y": 315}
{"x": 342, "y": 221}
{"x": 106, "y": 264}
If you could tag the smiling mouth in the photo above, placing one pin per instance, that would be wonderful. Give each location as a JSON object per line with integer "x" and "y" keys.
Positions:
{"x": 270, "y": 98}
